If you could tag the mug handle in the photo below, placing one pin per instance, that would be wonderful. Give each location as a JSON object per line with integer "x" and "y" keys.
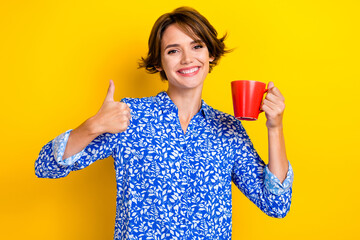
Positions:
{"x": 265, "y": 91}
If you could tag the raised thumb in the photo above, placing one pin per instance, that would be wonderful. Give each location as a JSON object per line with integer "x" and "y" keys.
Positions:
{"x": 110, "y": 93}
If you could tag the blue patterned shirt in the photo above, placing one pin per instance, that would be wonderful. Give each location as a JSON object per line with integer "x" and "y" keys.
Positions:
{"x": 171, "y": 184}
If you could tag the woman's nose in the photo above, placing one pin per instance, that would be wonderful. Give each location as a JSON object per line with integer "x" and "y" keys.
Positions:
{"x": 186, "y": 58}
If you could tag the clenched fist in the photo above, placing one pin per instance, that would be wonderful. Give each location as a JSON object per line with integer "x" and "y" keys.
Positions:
{"x": 113, "y": 117}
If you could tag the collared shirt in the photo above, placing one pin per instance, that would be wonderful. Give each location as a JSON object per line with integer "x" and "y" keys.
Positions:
{"x": 171, "y": 184}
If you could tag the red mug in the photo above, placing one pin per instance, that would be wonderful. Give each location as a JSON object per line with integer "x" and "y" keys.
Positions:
{"x": 247, "y": 97}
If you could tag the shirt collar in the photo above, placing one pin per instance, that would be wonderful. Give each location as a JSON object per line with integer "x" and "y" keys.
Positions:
{"x": 168, "y": 106}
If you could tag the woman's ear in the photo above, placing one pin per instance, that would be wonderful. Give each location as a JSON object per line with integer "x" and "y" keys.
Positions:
{"x": 211, "y": 59}
{"x": 159, "y": 69}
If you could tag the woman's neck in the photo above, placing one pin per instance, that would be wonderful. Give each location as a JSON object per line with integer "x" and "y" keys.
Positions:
{"x": 188, "y": 103}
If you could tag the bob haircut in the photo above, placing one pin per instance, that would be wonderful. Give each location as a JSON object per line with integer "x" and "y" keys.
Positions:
{"x": 193, "y": 24}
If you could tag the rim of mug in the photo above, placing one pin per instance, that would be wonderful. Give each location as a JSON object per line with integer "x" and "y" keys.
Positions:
{"x": 247, "y": 81}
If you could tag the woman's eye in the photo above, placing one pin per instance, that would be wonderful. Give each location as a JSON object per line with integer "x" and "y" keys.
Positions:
{"x": 171, "y": 51}
{"x": 198, "y": 46}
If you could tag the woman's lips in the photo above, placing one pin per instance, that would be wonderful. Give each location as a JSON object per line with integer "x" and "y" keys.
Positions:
{"x": 188, "y": 72}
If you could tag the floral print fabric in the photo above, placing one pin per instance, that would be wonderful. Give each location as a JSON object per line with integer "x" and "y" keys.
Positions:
{"x": 171, "y": 184}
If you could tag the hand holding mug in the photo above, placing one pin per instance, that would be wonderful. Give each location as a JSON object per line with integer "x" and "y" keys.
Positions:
{"x": 113, "y": 117}
{"x": 273, "y": 106}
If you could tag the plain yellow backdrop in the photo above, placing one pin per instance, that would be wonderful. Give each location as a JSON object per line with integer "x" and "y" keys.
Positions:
{"x": 56, "y": 60}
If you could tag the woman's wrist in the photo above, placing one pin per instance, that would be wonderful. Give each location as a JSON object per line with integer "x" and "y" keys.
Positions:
{"x": 275, "y": 128}
{"x": 92, "y": 127}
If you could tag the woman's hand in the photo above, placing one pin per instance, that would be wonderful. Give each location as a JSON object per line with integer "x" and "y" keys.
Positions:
{"x": 113, "y": 117}
{"x": 273, "y": 106}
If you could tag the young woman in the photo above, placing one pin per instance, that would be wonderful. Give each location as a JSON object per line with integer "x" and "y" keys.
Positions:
{"x": 175, "y": 156}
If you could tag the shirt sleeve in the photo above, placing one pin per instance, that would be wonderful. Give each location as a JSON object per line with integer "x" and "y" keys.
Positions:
{"x": 252, "y": 176}
{"x": 273, "y": 184}
{"x": 49, "y": 163}
{"x": 59, "y": 145}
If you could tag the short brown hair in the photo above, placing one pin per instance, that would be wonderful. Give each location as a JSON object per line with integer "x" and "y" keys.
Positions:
{"x": 192, "y": 23}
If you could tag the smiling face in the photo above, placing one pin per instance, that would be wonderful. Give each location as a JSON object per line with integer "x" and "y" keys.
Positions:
{"x": 184, "y": 60}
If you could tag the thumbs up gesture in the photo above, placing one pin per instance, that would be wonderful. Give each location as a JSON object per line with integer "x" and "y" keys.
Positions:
{"x": 113, "y": 117}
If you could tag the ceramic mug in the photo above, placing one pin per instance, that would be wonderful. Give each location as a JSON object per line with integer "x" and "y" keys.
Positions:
{"x": 247, "y": 97}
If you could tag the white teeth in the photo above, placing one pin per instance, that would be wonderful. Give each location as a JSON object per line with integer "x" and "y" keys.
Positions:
{"x": 189, "y": 71}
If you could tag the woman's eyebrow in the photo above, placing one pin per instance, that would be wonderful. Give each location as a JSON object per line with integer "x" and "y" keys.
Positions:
{"x": 171, "y": 45}
{"x": 197, "y": 41}
{"x": 177, "y": 45}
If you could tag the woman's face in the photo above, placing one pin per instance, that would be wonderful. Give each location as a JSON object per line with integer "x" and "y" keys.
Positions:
{"x": 184, "y": 60}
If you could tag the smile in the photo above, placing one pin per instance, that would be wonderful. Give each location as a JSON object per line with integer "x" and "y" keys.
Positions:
{"x": 189, "y": 71}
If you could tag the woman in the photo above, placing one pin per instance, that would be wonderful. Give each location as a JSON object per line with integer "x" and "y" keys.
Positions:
{"x": 175, "y": 156}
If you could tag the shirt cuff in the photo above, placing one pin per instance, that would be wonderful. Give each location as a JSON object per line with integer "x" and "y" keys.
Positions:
{"x": 59, "y": 145}
{"x": 273, "y": 184}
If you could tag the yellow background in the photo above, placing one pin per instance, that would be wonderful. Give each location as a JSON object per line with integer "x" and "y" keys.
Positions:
{"x": 56, "y": 59}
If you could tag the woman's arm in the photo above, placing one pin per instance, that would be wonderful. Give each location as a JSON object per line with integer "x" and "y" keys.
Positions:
{"x": 274, "y": 107}
{"x": 253, "y": 177}
{"x": 113, "y": 117}
{"x": 94, "y": 139}
{"x": 278, "y": 163}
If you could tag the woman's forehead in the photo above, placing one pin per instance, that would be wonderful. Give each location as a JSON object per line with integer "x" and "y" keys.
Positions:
{"x": 175, "y": 34}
